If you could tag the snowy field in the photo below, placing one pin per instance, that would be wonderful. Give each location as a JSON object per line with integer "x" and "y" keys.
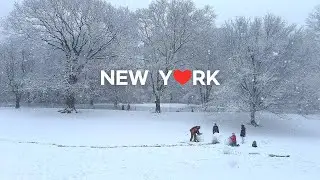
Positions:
{"x": 41, "y": 144}
{"x": 165, "y": 107}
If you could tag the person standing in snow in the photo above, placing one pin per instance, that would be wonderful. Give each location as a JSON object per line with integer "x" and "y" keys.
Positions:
{"x": 215, "y": 128}
{"x": 243, "y": 133}
{"x": 233, "y": 140}
{"x": 194, "y": 132}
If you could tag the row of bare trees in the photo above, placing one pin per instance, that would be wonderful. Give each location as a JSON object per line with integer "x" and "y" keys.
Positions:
{"x": 56, "y": 48}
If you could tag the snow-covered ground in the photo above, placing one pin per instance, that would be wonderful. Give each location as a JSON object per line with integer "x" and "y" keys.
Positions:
{"x": 165, "y": 107}
{"x": 140, "y": 145}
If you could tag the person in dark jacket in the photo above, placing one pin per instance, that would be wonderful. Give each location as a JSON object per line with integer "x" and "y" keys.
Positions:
{"x": 254, "y": 144}
{"x": 194, "y": 132}
{"x": 243, "y": 133}
{"x": 215, "y": 128}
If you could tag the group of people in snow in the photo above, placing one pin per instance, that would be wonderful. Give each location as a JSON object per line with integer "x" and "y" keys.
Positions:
{"x": 232, "y": 139}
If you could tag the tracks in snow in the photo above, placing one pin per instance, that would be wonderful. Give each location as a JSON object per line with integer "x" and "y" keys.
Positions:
{"x": 182, "y": 144}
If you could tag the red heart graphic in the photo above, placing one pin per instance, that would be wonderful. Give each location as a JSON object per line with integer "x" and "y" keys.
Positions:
{"x": 182, "y": 77}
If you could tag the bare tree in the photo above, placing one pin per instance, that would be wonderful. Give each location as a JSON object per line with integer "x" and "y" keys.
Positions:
{"x": 17, "y": 69}
{"x": 259, "y": 50}
{"x": 82, "y": 30}
{"x": 165, "y": 28}
{"x": 313, "y": 20}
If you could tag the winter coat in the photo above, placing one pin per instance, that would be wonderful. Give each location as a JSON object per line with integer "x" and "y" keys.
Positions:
{"x": 254, "y": 144}
{"x": 243, "y": 131}
{"x": 195, "y": 130}
{"x": 233, "y": 139}
{"x": 215, "y": 129}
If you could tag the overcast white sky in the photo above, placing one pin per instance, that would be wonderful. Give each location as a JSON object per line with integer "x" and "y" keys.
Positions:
{"x": 294, "y": 11}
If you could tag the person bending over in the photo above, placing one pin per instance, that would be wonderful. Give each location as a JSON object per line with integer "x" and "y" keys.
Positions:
{"x": 194, "y": 132}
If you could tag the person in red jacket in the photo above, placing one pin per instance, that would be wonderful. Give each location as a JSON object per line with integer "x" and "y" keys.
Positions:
{"x": 194, "y": 132}
{"x": 233, "y": 140}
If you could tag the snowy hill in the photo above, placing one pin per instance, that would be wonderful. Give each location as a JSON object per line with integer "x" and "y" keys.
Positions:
{"x": 102, "y": 144}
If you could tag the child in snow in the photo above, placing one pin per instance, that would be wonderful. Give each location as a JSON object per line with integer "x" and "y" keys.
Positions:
{"x": 233, "y": 140}
{"x": 194, "y": 132}
{"x": 215, "y": 128}
{"x": 254, "y": 144}
{"x": 242, "y": 133}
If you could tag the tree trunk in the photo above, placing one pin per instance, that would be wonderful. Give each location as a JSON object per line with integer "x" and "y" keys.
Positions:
{"x": 207, "y": 93}
{"x": 18, "y": 98}
{"x": 71, "y": 77}
{"x": 91, "y": 102}
{"x": 29, "y": 98}
{"x": 202, "y": 96}
{"x": 158, "y": 107}
{"x": 115, "y": 103}
{"x": 253, "y": 115}
{"x": 70, "y": 102}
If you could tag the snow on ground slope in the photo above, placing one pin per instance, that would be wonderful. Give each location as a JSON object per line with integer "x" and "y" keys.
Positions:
{"x": 43, "y": 144}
